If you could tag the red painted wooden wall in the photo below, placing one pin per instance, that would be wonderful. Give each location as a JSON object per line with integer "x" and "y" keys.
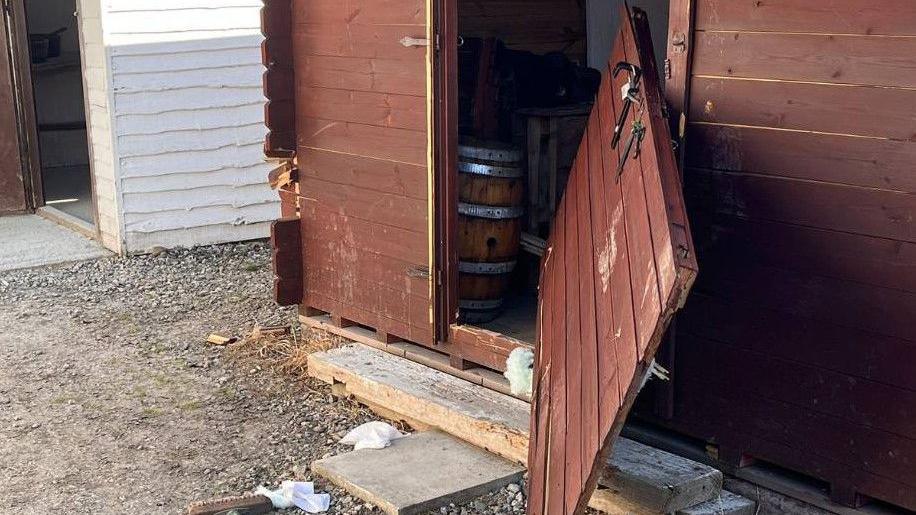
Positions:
{"x": 619, "y": 262}
{"x": 798, "y": 346}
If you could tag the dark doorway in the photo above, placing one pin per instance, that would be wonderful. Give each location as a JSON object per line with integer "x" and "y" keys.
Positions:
{"x": 60, "y": 111}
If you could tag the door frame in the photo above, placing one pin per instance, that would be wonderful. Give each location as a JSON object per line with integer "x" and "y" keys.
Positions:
{"x": 464, "y": 340}
{"x": 24, "y": 92}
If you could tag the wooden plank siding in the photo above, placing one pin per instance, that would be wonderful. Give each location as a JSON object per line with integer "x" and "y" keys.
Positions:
{"x": 606, "y": 297}
{"x": 362, "y": 129}
{"x": 799, "y": 176}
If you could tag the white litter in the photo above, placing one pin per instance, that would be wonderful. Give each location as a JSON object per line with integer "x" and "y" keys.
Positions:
{"x": 519, "y": 369}
{"x": 300, "y": 494}
{"x": 372, "y": 435}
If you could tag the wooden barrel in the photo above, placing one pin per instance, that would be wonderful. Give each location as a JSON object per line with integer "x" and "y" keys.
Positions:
{"x": 491, "y": 191}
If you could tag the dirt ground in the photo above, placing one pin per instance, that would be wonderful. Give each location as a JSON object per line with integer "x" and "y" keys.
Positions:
{"x": 111, "y": 402}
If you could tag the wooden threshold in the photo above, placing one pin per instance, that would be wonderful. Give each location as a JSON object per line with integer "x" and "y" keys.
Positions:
{"x": 478, "y": 345}
{"x": 69, "y": 221}
{"x": 412, "y": 351}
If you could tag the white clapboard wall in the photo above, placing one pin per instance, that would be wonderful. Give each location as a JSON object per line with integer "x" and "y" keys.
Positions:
{"x": 187, "y": 121}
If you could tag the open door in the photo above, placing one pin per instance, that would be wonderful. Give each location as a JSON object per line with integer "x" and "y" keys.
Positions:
{"x": 13, "y": 181}
{"x": 349, "y": 102}
{"x": 619, "y": 263}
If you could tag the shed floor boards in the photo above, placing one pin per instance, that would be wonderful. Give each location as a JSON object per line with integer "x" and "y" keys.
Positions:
{"x": 29, "y": 240}
{"x": 518, "y": 320}
{"x": 69, "y": 189}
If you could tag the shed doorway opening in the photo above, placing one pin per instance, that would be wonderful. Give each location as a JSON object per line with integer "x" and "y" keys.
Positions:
{"x": 525, "y": 74}
{"x": 60, "y": 109}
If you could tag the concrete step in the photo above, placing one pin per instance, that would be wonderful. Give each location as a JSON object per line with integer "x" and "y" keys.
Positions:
{"x": 419, "y": 473}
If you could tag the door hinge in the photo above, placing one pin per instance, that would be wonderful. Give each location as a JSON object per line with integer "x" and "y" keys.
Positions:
{"x": 667, "y": 68}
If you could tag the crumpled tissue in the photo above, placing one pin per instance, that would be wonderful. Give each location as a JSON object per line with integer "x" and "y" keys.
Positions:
{"x": 300, "y": 494}
{"x": 372, "y": 435}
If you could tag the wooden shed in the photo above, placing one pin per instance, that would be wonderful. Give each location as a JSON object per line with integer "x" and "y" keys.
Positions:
{"x": 430, "y": 156}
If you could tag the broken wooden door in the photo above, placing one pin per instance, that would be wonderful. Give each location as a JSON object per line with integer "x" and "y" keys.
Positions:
{"x": 356, "y": 75}
{"x": 620, "y": 261}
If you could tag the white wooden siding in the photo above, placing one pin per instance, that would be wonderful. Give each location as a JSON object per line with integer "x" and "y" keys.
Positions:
{"x": 97, "y": 90}
{"x": 188, "y": 121}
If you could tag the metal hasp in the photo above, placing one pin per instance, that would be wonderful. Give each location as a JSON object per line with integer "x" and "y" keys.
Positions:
{"x": 628, "y": 96}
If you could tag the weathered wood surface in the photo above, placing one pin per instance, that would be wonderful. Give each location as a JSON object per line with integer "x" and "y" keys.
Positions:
{"x": 12, "y": 179}
{"x": 638, "y": 479}
{"x": 799, "y": 159}
{"x": 630, "y": 278}
{"x": 361, "y": 112}
{"x": 286, "y": 252}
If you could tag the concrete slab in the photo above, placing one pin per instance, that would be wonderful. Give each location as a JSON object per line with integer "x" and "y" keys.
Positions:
{"x": 726, "y": 504}
{"x": 28, "y": 241}
{"x": 418, "y": 473}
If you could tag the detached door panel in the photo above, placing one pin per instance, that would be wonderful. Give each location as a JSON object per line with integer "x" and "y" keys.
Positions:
{"x": 619, "y": 263}
{"x": 361, "y": 72}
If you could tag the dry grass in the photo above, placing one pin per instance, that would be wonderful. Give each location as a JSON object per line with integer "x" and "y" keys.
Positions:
{"x": 284, "y": 349}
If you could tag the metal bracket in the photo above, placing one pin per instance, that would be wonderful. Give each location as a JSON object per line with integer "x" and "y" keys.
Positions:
{"x": 411, "y": 41}
{"x": 637, "y": 133}
{"x": 629, "y": 95}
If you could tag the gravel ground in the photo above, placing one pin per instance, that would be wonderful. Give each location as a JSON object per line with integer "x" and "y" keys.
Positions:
{"x": 110, "y": 402}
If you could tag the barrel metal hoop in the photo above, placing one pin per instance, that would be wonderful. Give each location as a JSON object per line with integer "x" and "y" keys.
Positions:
{"x": 480, "y": 304}
{"x": 468, "y": 267}
{"x": 505, "y": 172}
{"x": 501, "y": 155}
{"x": 492, "y": 212}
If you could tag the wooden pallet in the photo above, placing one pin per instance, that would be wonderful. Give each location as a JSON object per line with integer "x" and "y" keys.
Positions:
{"x": 638, "y": 479}
{"x": 754, "y": 472}
{"x": 350, "y": 330}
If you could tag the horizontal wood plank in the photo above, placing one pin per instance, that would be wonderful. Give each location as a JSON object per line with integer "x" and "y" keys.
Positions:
{"x": 820, "y": 344}
{"x": 372, "y": 174}
{"x": 358, "y": 40}
{"x": 400, "y": 244}
{"x": 880, "y": 213}
{"x": 868, "y": 162}
{"x": 890, "y": 17}
{"x": 371, "y": 206}
{"x": 738, "y": 406}
{"x": 844, "y": 303}
{"x": 364, "y": 107}
{"x": 386, "y": 143}
{"x": 854, "y": 257}
{"x": 406, "y": 77}
{"x": 366, "y": 12}
{"x": 857, "y": 110}
{"x": 875, "y": 61}
{"x": 859, "y": 401}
